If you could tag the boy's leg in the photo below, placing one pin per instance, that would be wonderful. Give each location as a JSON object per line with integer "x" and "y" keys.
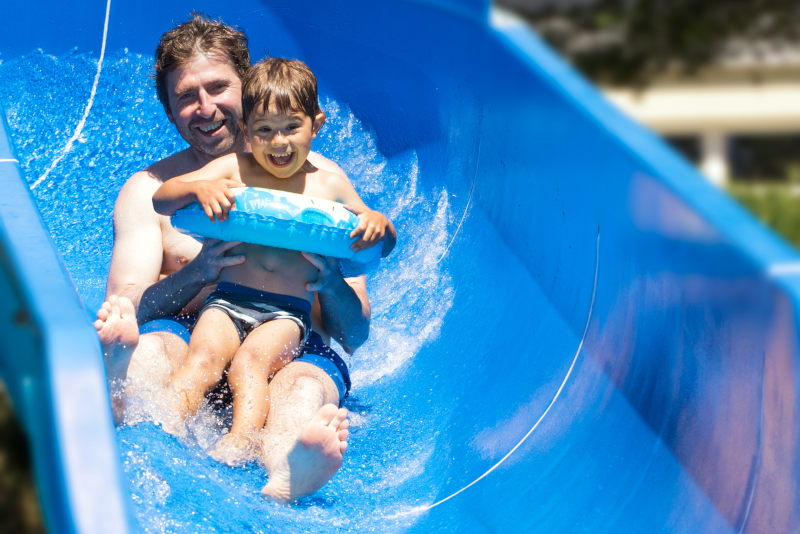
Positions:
{"x": 265, "y": 351}
{"x": 212, "y": 346}
{"x": 305, "y": 438}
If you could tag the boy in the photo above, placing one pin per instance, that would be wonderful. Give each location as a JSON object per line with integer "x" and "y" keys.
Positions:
{"x": 258, "y": 318}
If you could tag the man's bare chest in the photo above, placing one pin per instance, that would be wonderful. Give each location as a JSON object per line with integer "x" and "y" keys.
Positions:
{"x": 179, "y": 249}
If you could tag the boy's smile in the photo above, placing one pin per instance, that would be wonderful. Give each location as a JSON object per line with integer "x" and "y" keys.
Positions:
{"x": 281, "y": 141}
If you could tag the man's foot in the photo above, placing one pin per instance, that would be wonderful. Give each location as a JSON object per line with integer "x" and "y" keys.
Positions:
{"x": 234, "y": 449}
{"x": 119, "y": 334}
{"x": 313, "y": 460}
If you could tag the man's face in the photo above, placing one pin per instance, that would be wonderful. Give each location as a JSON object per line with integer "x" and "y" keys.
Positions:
{"x": 205, "y": 97}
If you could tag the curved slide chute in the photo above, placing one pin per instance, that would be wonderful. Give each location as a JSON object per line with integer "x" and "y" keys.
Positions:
{"x": 621, "y": 354}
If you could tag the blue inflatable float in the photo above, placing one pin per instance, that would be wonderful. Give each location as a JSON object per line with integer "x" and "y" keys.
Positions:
{"x": 285, "y": 220}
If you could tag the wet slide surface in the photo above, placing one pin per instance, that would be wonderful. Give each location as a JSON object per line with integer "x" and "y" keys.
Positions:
{"x": 575, "y": 333}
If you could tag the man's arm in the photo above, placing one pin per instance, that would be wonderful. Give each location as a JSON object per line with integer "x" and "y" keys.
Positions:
{"x": 344, "y": 303}
{"x": 138, "y": 252}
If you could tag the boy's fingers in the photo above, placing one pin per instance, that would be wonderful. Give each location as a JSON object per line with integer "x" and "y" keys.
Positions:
{"x": 357, "y": 232}
{"x": 358, "y": 210}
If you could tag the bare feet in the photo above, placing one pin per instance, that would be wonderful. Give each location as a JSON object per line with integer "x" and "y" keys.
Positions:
{"x": 234, "y": 449}
{"x": 313, "y": 460}
{"x": 119, "y": 334}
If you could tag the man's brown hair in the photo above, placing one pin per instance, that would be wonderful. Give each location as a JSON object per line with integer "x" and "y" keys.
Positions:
{"x": 198, "y": 35}
{"x": 287, "y": 84}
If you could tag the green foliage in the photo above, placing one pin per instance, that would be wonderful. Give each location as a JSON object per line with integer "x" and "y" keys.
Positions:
{"x": 776, "y": 205}
{"x": 631, "y": 41}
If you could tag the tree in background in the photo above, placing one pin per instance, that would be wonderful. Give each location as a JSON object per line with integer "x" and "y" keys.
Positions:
{"x": 629, "y": 42}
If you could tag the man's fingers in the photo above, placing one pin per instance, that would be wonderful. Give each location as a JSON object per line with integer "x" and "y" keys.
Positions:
{"x": 313, "y": 286}
{"x": 221, "y": 247}
{"x": 315, "y": 260}
{"x": 229, "y": 261}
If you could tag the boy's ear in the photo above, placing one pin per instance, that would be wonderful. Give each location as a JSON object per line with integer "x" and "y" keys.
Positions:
{"x": 319, "y": 120}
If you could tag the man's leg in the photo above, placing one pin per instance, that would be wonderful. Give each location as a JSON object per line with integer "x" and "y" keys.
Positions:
{"x": 305, "y": 437}
{"x": 134, "y": 363}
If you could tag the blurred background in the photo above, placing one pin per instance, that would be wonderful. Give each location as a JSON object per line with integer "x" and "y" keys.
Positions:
{"x": 718, "y": 79}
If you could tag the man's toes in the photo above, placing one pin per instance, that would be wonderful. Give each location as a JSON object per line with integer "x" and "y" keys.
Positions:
{"x": 326, "y": 414}
{"x": 345, "y": 424}
{"x": 343, "y": 447}
{"x": 126, "y": 307}
{"x": 338, "y": 418}
{"x": 114, "y": 301}
{"x": 99, "y": 324}
{"x": 344, "y": 434}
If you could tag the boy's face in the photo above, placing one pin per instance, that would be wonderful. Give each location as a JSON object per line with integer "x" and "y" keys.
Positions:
{"x": 281, "y": 142}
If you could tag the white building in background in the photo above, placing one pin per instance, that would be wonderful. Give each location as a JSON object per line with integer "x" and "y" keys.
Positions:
{"x": 754, "y": 90}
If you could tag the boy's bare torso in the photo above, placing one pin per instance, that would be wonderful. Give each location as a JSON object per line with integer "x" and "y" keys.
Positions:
{"x": 267, "y": 269}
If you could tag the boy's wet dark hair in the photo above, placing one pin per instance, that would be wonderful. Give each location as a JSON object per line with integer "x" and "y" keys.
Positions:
{"x": 287, "y": 84}
{"x": 198, "y": 35}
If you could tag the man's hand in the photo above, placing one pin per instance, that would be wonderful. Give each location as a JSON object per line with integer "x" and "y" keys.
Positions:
{"x": 216, "y": 197}
{"x": 328, "y": 271}
{"x": 211, "y": 260}
{"x": 373, "y": 226}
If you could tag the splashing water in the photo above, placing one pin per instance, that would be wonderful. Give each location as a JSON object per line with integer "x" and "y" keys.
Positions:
{"x": 175, "y": 487}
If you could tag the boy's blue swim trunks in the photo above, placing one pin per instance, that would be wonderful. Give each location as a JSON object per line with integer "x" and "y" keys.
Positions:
{"x": 315, "y": 351}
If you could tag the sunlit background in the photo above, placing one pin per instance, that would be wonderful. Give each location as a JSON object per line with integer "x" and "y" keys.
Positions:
{"x": 718, "y": 79}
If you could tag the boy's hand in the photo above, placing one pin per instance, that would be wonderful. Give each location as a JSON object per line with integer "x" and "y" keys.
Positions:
{"x": 216, "y": 197}
{"x": 373, "y": 226}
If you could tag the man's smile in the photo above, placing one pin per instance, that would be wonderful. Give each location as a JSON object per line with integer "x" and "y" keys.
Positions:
{"x": 212, "y": 128}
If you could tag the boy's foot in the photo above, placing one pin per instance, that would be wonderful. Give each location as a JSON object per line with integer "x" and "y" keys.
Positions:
{"x": 234, "y": 449}
{"x": 313, "y": 460}
{"x": 119, "y": 334}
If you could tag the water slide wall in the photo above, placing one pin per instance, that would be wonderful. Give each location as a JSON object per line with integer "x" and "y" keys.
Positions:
{"x": 621, "y": 354}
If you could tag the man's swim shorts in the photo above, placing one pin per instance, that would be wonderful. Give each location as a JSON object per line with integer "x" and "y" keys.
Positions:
{"x": 315, "y": 351}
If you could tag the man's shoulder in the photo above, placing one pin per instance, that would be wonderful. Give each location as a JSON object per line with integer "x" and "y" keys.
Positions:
{"x": 175, "y": 165}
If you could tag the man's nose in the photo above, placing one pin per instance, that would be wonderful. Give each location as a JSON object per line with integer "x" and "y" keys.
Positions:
{"x": 206, "y": 107}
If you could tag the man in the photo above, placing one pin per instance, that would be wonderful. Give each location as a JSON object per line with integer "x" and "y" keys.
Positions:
{"x": 159, "y": 277}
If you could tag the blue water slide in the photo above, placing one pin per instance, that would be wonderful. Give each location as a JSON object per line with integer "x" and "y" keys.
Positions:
{"x": 619, "y": 348}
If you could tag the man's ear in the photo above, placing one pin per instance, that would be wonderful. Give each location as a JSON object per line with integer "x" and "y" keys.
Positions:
{"x": 319, "y": 120}
{"x": 169, "y": 115}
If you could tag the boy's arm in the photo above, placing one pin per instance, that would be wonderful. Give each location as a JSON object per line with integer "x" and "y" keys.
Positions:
{"x": 209, "y": 186}
{"x": 373, "y": 226}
